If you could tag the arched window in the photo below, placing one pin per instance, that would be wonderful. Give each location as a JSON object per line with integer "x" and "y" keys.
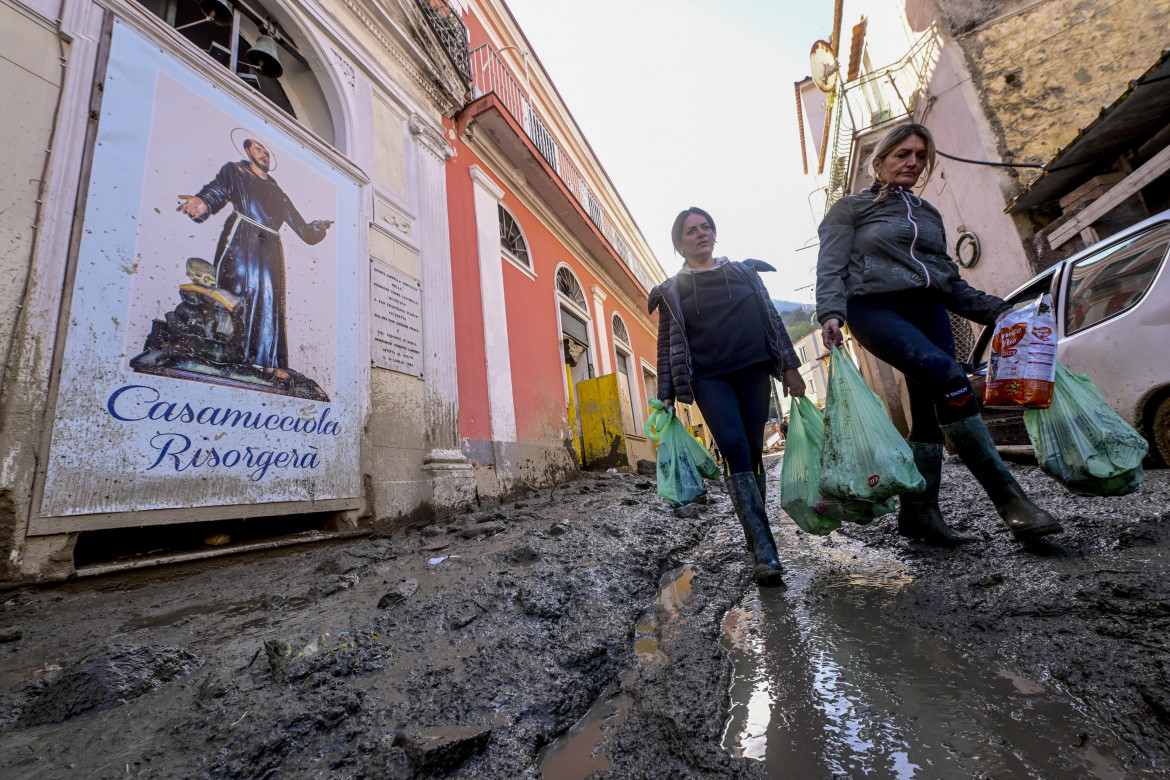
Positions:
{"x": 512, "y": 239}
{"x": 620, "y": 333}
{"x": 568, "y": 286}
{"x": 263, "y": 54}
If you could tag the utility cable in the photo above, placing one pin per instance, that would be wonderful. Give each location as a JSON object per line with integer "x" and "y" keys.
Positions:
{"x": 941, "y": 153}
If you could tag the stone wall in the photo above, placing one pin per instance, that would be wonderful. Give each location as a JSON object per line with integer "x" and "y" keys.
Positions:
{"x": 1046, "y": 69}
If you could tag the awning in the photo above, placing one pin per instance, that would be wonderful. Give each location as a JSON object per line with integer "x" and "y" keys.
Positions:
{"x": 1131, "y": 120}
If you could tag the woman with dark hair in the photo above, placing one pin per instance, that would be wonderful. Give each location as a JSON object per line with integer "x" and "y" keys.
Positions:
{"x": 720, "y": 340}
{"x": 884, "y": 269}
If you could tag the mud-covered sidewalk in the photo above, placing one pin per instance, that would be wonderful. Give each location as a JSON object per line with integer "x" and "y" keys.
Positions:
{"x": 465, "y": 647}
{"x": 461, "y": 647}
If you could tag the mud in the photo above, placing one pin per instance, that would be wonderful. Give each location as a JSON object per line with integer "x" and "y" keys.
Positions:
{"x": 472, "y": 646}
{"x": 461, "y": 649}
{"x": 1086, "y": 612}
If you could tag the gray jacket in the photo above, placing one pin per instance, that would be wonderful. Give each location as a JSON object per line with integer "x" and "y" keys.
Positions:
{"x": 870, "y": 247}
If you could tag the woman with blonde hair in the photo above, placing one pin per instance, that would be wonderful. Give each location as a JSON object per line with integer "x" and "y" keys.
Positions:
{"x": 883, "y": 268}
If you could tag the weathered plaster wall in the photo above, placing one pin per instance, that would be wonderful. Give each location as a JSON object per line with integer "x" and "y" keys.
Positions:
{"x": 394, "y": 444}
{"x": 972, "y": 197}
{"x": 31, "y": 74}
{"x": 1046, "y": 71}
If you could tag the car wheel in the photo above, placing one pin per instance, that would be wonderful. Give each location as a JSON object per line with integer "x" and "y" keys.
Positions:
{"x": 1160, "y": 435}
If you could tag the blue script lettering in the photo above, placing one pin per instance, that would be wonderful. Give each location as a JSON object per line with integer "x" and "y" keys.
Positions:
{"x": 174, "y": 451}
{"x": 135, "y": 403}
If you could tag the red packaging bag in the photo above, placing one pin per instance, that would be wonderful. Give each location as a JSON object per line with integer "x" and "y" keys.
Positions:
{"x": 1022, "y": 369}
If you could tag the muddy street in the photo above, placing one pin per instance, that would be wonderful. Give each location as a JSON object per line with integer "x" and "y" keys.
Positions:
{"x": 588, "y": 630}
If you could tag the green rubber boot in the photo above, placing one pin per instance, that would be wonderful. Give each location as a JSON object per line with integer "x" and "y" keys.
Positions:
{"x": 969, "y": 438}
{"x": 918, "y": 514}
{"x": 749, "y": 507}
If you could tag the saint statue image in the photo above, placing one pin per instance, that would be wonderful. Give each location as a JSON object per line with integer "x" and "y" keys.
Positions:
{"x": 230, "y": 326}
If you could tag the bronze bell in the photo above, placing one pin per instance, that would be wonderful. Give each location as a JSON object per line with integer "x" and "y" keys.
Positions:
{"x": 218, "y": 11}
{"x": 263, "y": 56}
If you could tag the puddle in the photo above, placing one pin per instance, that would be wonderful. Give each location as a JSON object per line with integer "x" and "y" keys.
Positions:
{"x": 581, "y": 750}
{"x": 170, "y": 618}
{"x": 824, "y": 687}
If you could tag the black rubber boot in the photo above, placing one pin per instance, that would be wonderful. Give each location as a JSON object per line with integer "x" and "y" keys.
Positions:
{"x": 745, "y": 497}
{"x": 918, "y": 514}
{"x": 969, "y": 438}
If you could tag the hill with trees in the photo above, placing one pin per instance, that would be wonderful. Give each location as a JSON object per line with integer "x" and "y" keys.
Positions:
{"x": 797, "y": 318}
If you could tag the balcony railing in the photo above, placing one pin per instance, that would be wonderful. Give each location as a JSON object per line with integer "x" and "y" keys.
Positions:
{"x": 451, "y": 32}
{"x": 875, "y": 99}
{"x": 491, "y": 75}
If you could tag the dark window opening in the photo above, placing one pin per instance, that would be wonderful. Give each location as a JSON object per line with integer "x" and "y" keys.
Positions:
{"x": 254, "y": 28}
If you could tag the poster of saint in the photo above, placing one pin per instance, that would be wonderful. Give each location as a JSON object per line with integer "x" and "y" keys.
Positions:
{"x": 251, "y": 275}
{"x": 216, "y": 278}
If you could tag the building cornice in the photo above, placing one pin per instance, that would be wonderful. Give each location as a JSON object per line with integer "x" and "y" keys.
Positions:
{"x": 516, "y": 184}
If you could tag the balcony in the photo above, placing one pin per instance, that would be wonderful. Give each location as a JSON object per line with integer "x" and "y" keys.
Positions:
{"x": 451, "y": 32}
{"x": 496, "y": 91}
{"x": 871, "y": 102}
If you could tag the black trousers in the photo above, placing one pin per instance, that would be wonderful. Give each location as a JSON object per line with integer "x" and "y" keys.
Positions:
{"x": 735, "y": 406}
{"x": 911, "y": 331}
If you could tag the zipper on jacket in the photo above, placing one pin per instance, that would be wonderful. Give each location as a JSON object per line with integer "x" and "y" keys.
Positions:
{"x": 686, "y": 345}
{"x": 914, "y": 241}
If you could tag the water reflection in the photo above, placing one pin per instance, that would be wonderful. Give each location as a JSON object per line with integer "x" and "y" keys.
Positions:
{"x": 825, "y": 687}
{"x": 581, "y": 751}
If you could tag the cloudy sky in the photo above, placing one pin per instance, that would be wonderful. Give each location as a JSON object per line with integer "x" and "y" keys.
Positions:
{"x": 691, "y": 103}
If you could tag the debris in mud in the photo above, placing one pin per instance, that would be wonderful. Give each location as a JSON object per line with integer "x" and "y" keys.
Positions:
{"x": 402, "y": 591}
{"x": 521, "y": 636}
{"x": 10, "y": 635}
{"x": 1158, "y": 698}
{"x": 483, "y": 529}
{"x": 647, "y": 468}
{"x": 441, "y": 748}
{"x": 218, "y": 683}
{"x": 105, "y": 679}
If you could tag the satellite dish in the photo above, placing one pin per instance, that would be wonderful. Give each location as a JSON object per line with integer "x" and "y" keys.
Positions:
{"x": 823, "y": 65}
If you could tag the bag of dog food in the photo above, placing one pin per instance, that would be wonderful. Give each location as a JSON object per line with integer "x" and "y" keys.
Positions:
{"x": 1022, "y": 368}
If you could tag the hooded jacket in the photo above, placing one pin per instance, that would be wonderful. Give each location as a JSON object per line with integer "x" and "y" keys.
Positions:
{"x": 870, "y": 247}
{"x": 675, "y": 372}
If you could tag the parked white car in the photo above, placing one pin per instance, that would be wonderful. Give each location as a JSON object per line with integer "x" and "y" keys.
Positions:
{"x": 1112, "y": 304}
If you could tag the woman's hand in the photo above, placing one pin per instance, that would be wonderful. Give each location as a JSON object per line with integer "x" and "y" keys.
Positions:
{"x": 831, "y": 333}
{"x": 793, "y": 382}
{"x": 1003, "y": 314}
{"x": 668, "y": 405}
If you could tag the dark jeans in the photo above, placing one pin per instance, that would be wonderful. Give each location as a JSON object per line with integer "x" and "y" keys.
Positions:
{"x": 735, "y": 406}
{"x": 912, "y": 333}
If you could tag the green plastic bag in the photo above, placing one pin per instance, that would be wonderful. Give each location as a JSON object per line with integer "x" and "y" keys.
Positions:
{"x": 800, "y": 474}
{"x": 864, "y": 456}
{"x": 682, "y": 461}
{"x": 1081, "y": 442}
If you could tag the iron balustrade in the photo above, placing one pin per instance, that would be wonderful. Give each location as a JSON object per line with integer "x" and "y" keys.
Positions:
{"x": 451, "y": 32}
{"x": 489, "y": 75}
{"x": 873, "y": 100}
